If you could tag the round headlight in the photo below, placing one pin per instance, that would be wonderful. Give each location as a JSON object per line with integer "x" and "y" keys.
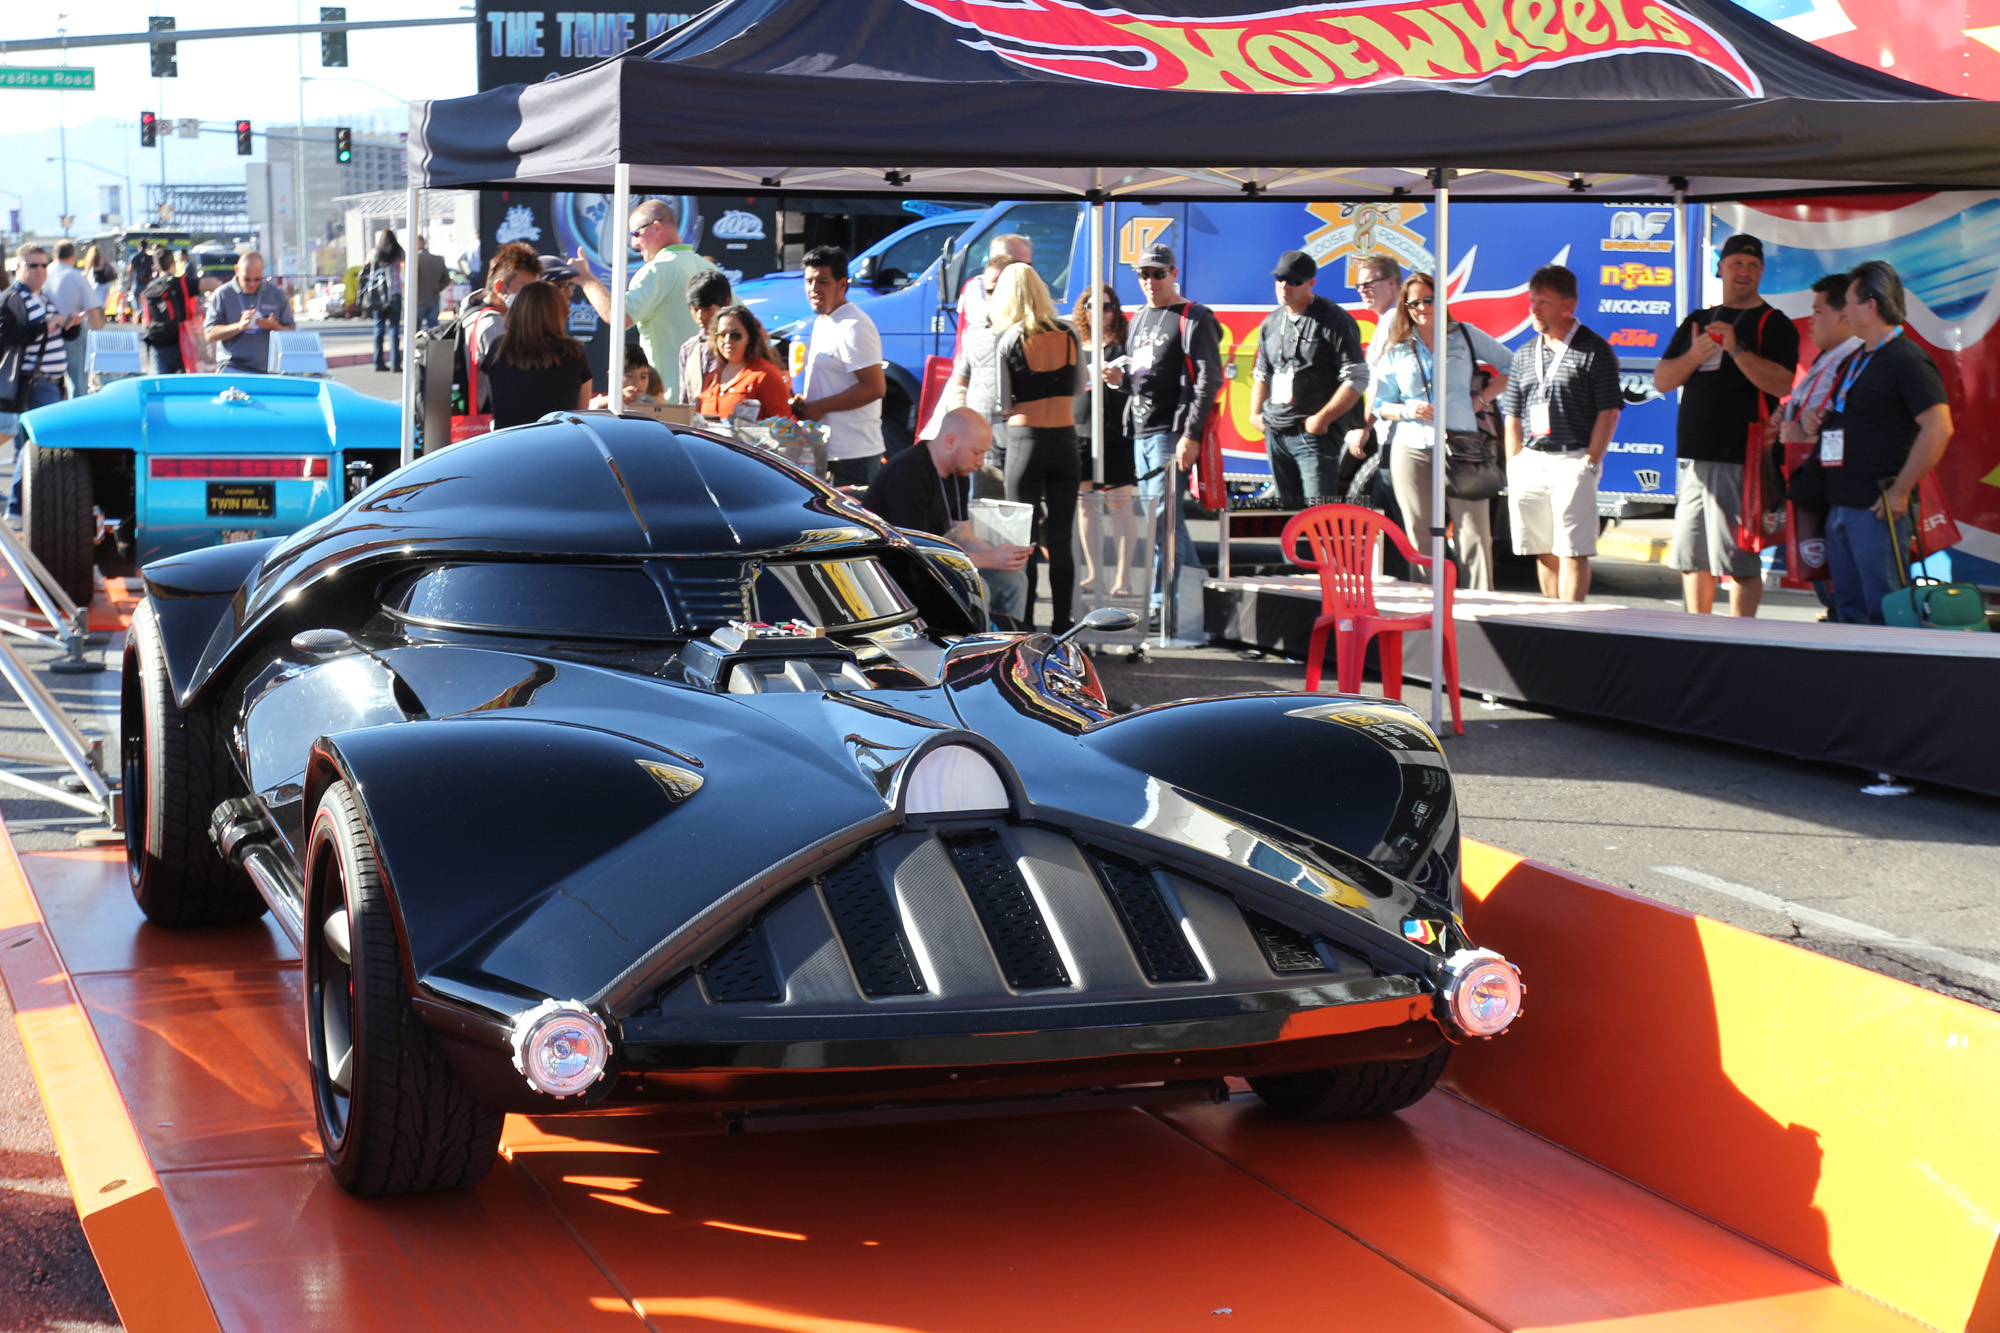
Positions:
{"x": 560, "y": 1047}
{"x": 1482, "y": 992}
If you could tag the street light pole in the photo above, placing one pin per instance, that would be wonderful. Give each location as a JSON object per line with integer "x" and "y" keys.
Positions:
{"x": 299, "y": 150}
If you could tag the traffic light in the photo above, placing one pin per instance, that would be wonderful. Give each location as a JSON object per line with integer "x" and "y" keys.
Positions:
{"x": 149, "y": 129}
{"x": 242, "y": 138}
{"x": 333, "y": 45}
{"x": 343, "y": 144}
{"x": 165, "y": 64}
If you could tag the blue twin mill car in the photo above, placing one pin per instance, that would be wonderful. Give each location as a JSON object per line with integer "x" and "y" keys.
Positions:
{"x": 599, "y": 762}
{"x": 161, "y": 464}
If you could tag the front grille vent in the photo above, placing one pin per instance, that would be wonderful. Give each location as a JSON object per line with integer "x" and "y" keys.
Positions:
{"x": 1155, "y": 933}
{"x": 1013, "y": 920}
{"x": 1287, "y": 950}
{"x": 740, "y": 972}
{"x": 870, "y": 928}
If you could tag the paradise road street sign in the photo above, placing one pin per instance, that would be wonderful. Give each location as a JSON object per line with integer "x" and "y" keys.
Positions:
{"x": 69, "y": 78}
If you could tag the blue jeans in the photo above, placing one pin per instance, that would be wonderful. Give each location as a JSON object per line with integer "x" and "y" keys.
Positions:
{"x": 1155, "y": 451}
{"x": 390, "y": 322}
{"x": 427, "y": 316}
{"x": 1299, "y": 462}
{"x": 853, "y": 471}
{"x": 1007, "y": 593}
{"x": 40, "y": 394}
{"x": 1862, "y": 559}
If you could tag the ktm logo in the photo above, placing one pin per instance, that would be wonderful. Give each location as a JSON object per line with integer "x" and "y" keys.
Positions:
{"x": 1332, "y": 47}
{"x": 1634, "y": 276}
{"x": 1633, "y": 338}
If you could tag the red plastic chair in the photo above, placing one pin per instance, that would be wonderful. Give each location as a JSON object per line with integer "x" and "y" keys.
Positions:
{"x": 1341, "y": 542}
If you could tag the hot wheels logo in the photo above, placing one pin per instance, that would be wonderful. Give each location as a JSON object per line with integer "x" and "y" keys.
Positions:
{"x": 1329, "y": 48}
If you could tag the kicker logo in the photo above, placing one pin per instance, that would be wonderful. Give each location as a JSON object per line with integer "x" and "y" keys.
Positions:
{"x": 1328, "y": 48}
{"x": 1614, "y": 306}
{"x": 1634, "y": 230}
{"x": 1634, "y": 276}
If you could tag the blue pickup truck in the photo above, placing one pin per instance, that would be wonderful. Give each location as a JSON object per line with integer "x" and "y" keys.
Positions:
{"x": 1622, "y": 254}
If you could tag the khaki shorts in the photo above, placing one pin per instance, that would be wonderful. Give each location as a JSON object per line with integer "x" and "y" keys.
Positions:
{"x": 1552, "y": 503}
{"x": 1708, "y": 503}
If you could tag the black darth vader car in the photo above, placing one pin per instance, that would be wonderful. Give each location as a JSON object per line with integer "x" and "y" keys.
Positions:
{"x": 600, "y": 761}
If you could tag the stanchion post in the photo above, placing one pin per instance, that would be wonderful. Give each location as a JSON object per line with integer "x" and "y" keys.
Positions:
{"x": 1440, "y": 401}
{"x": 415, "y": 204}
{"x": 621, "y": 246}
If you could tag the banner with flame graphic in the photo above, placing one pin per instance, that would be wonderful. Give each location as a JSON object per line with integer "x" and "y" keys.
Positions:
{"x": 1333, "y": 48}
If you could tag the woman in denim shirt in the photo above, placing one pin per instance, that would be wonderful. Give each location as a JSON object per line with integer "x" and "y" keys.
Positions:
{"x": 1402, "y": 396}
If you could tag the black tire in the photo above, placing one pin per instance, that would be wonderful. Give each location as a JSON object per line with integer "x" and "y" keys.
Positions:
{"x": 1348, "y": 1092}
{"x": 175, "y": 773}
{"x": 56, "y": 517}
{"x": 403, "y": 1123}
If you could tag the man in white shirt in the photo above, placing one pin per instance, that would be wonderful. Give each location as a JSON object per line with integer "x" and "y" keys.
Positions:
{"x": 70, "y": 291}
{"x": 843, "y": 382}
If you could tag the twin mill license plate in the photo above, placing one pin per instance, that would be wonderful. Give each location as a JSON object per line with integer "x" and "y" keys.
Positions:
{"x": 242, "y": 499}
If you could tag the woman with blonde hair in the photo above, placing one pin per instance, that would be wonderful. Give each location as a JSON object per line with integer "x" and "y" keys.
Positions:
{"x": 1405, "y": 369}
{"x": 1038, "y": 357}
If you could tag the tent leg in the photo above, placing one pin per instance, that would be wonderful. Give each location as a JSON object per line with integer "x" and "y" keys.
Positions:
{"x": 415, "y": 202}
{"x": 621, "y": 245}
{"x": 1440, "y": 400}
{"x": 1680, "y": 252}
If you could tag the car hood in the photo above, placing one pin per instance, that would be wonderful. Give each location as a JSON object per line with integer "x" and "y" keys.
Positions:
{"x": 218, "y": 414}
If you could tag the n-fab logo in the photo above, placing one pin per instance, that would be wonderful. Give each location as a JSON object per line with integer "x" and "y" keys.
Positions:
{"x": 1328, "y": 48}
{"x": 1634, "y": 276}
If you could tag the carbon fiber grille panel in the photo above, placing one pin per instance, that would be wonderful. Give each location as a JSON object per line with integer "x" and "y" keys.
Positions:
{"x": 1287, "y": 949}
{"x": 703, "y": 594}
{"x": 1013, "y": 920}
{"x": 870, "y": 929}
{"x": 741, "y": 972}
{"x": 1155, "y": 934}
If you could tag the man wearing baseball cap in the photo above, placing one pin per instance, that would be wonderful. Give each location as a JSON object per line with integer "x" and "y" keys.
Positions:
{"x": 1731, "y": 363}
{"x": 1175, "y": 349}
{"x": 1310, "y": 374}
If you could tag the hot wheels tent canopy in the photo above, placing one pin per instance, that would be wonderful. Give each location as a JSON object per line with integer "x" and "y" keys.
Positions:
{"x": 1207, "y": 98}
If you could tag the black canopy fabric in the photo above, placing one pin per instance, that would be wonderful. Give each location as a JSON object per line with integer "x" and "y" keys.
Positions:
{"x": 1355, "y": 98}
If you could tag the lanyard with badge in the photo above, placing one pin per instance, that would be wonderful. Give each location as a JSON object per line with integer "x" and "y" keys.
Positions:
{"x": 1833, "y": 443}
{"x": 1538, "y": 401}
{"x": 1282, "y": 380}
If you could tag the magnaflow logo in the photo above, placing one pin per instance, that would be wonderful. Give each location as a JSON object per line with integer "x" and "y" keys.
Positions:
{"x": 1634, "y": 230}
{"x": 1331, "y": 48}
{"x": 737, "y": 225}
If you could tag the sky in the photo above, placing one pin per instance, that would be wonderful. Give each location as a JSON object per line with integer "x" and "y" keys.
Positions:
{"x": 220, "y": 81}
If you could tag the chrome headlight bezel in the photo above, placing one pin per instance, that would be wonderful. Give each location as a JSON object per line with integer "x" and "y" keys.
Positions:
{"x": 549, "y": 1018}
{"x": 1468, "y": 980}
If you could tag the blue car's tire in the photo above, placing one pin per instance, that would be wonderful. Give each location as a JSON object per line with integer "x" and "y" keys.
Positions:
{"x": 1346, "y": 1092}
{"x": 175, "y": 773}
{"x": 56, "y": 517}
{"x": 393, "y": 1116}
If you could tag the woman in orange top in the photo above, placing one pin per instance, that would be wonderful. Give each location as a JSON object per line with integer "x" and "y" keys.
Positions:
{"x": 747, "y": 373}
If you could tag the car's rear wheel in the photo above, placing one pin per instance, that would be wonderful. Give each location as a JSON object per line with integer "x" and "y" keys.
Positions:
{"x": 393, "y": 1116}
{"x": 1347, "y": 1092}
{"x": 56, "y": 517}
{"x": 175, "y": 773}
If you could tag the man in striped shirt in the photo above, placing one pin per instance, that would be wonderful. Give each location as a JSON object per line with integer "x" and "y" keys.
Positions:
{"x": 1562, "y": 404}
{"x": 33, "y": 352}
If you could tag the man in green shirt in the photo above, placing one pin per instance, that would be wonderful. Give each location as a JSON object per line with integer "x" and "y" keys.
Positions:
{"x": 656, "y": 301}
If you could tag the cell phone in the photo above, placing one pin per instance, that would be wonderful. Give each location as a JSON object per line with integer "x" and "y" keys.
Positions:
{"x": 1119, "y": 363}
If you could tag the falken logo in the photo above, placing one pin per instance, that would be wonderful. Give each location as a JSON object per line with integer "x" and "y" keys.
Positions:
{"x": 737, "y": 225}
{"x": 1634, "y": 230}
{"x": 1331, "y": 48}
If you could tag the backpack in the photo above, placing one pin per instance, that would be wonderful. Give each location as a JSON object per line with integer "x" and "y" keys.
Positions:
{"x": 375, "y": 290}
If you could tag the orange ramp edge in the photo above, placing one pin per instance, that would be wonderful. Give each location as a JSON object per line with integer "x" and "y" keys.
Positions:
{"x": 1838, "y": 1116}
{"x": 1444, "y": 1217}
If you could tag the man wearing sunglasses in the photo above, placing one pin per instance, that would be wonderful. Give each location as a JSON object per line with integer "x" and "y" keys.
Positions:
{"x": 1310, "y": 375}
{"x": 32, "y": 352}
{"x": 656, "y": 300}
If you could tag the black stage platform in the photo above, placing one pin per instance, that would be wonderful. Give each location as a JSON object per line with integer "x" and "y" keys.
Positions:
{"x": 1921, "y": 704}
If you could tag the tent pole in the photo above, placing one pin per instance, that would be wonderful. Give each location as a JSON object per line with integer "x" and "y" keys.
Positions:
{"x": 415, "y": 202}
{"x": 621, "y": 246}
{"x": 1097, "y": 331}
{"x": 1440, "y": 399}
{"x": 1680, "y": 251}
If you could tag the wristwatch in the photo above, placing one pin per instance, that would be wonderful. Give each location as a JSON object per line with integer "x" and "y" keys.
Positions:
{"x": 1591, "y": 465}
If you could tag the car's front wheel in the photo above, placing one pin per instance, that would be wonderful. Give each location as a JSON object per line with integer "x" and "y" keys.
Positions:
{"x": 1347, "y": 1092}
{"x": 56, "y": 517}
{"x": 393, "y": 1116}
{"x": 175, "y": 773}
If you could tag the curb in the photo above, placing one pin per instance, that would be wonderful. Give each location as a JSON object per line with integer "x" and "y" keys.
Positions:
{"x": 1631, "y": 546}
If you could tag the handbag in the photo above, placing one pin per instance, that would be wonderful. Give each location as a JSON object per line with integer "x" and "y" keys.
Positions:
{"x": 1763, "y": 485}
{"x": 1206, "y": 484}
{"x": 1936, "y": 529}
{"x": 1928, "y": 603}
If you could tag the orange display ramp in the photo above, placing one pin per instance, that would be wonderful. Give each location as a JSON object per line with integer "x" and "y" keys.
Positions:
{"x": 172, "y": 1067}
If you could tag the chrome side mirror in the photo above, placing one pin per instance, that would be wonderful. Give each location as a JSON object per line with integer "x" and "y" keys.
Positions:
{"x": 322, "y": 642}
{"x": 1110, "y": 619}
